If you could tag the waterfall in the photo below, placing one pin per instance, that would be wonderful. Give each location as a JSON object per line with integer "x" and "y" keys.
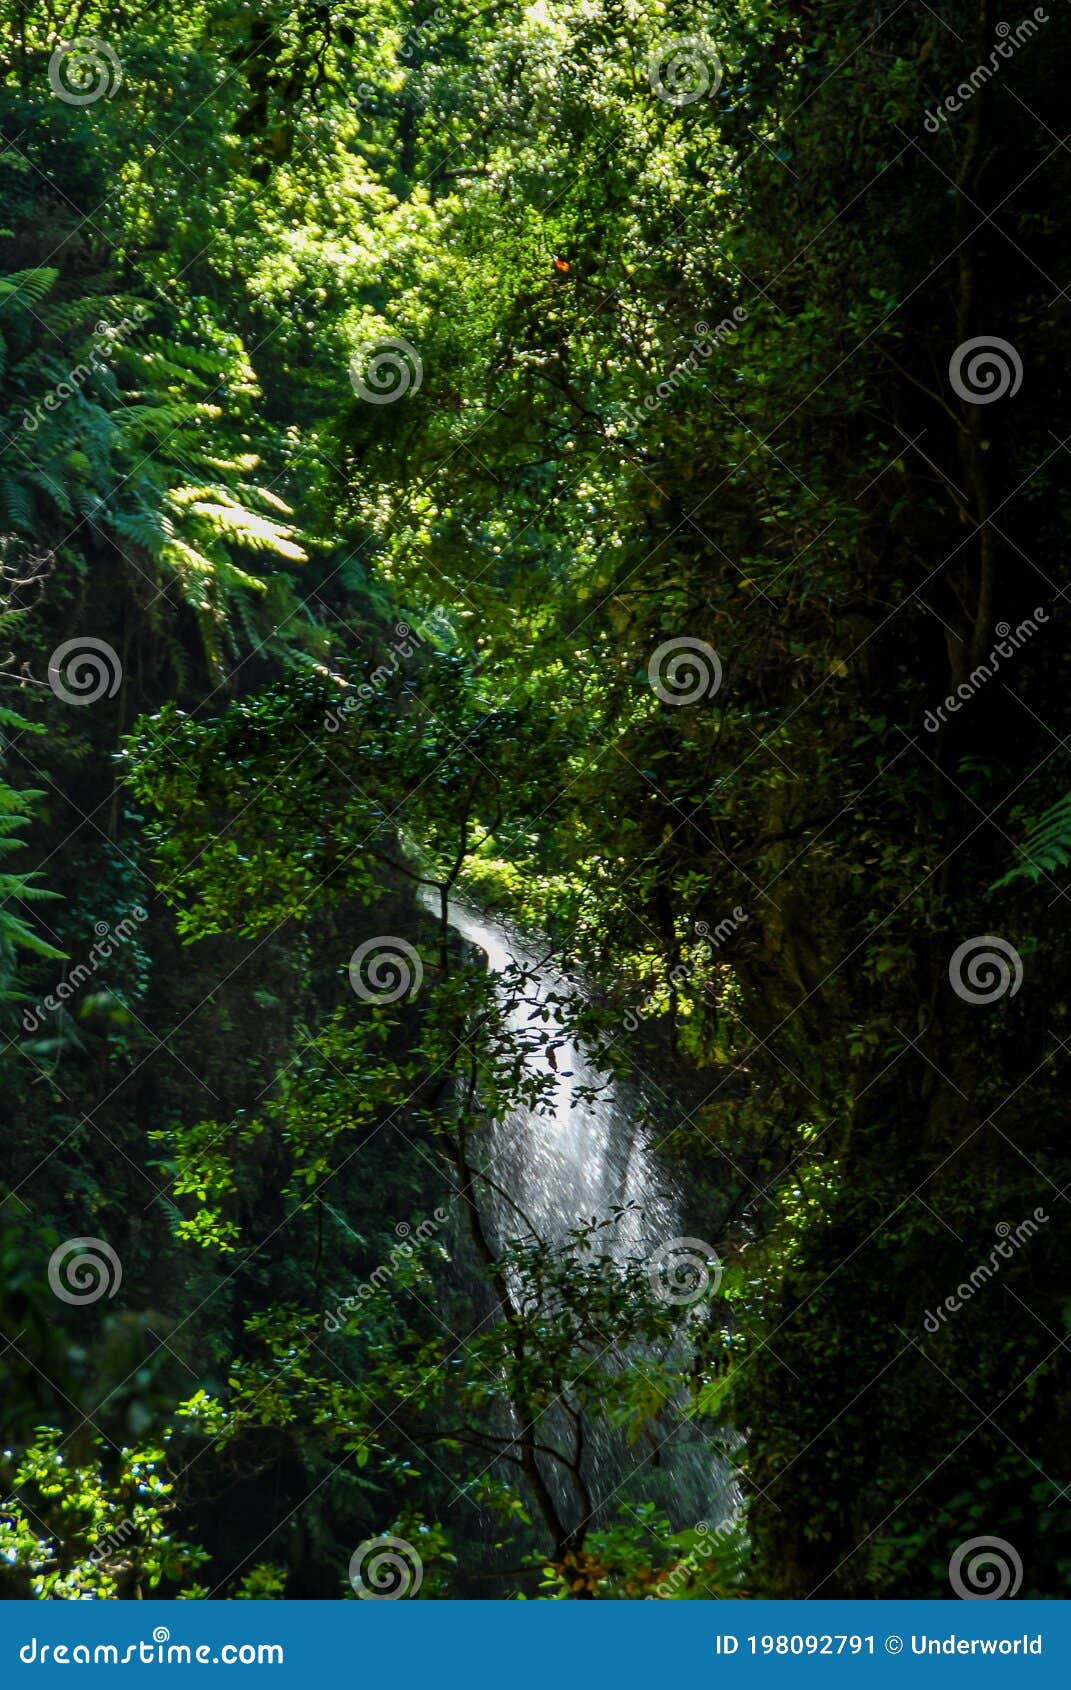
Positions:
{"x": 569, "y": 1161}
{"x": 578, "y": 1158}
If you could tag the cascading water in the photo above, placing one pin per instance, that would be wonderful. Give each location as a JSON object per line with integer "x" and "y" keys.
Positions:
{"x": 575, "y": 1160}
{"x": 572, "y": 1160}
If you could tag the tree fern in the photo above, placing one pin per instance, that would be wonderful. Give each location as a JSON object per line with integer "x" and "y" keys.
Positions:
{"x": 16, "y": 811}
{"x": 145, "y": 439}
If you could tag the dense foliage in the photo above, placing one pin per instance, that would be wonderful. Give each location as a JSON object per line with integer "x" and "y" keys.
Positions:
{"x": 383, "y": 389}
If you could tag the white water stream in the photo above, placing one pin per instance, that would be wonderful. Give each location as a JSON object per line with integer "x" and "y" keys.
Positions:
{"x": 572, "y": 1160}
{"x": 576, "y": 1158}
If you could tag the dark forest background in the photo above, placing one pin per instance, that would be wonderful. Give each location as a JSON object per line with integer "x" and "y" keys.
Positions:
{"x": 672, "y": 369}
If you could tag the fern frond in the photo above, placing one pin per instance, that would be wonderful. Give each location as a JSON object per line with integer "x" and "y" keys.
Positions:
{"x": 1046, "y": 847}
{"x": 30, "y": 285}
